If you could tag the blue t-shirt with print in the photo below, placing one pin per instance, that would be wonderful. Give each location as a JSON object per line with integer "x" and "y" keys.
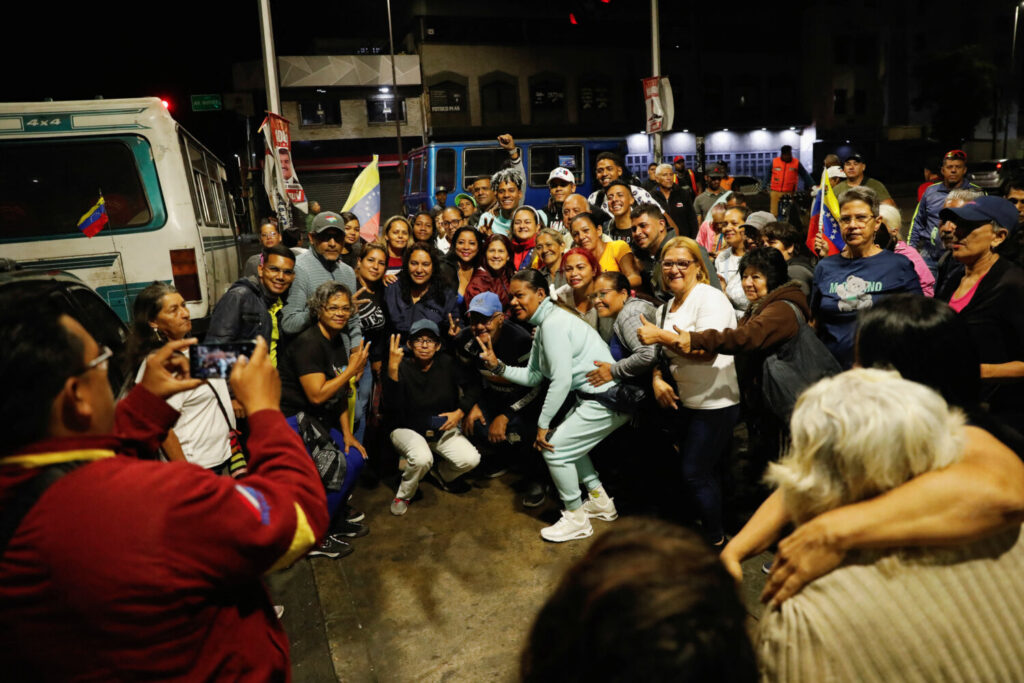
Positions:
{"x": 843, "y": 286}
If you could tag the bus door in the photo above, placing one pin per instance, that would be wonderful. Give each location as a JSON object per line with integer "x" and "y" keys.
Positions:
{"x": 445, "y": 174}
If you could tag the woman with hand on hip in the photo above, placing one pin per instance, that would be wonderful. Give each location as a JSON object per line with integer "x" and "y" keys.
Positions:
{"x": 705, "y": 384}
{"x": 564, "y": 351}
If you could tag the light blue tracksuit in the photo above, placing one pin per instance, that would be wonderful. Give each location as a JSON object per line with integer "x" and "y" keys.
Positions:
{"x": 564, "y": 350}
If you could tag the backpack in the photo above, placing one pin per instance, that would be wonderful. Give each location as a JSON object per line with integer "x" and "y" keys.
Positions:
{"x": 796, "y": 365}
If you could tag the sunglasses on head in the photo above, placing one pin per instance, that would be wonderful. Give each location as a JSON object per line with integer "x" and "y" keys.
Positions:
{"x": 957, "y": 155}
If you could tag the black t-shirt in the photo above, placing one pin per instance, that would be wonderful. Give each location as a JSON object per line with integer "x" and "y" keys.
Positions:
{"x": 373, "y": 321}
{"x": 308, "y": 354}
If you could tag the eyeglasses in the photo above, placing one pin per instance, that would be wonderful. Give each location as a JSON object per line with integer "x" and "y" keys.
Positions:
{"x": 270, "y": 234}
{"x": 328, "y": 236}
{"x": 479, "y": 318}
{"x": 1015, "y": 200}
{"x": 338, "y": 309}
{"x": 957, "y": 154}
{"x": 860, "y": 219}
{"x": 278, "y": 271}
{"x": 449, "y": 224}
{"x": 422, "y": 341}
{"x": 99, "y": 361}
{"x": 681, "y": 265}
{"x": 601, "y": 294}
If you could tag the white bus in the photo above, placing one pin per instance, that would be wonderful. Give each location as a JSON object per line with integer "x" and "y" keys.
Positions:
{"x": 169, "y": 212}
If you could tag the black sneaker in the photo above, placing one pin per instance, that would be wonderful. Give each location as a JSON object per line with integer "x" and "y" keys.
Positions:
{"x": 347, "y": 529}
{"x": 331, "y": 547}
{"x": 490, "y": 468}
{"x": 534, "y": 496}
{"x": 460, "y": 485}
{"x": 355, "y": 515}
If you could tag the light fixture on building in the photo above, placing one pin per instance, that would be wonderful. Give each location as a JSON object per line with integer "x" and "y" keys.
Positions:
{"x": 384, "y": 89}
{"x": 321, "y": 91}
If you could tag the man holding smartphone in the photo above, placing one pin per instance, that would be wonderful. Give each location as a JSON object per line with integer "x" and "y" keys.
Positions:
{"x": 252, "y": 306}
{"x": 116, "y": 565}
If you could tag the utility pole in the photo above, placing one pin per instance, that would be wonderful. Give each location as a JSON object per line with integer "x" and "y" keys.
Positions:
{"x": 269, "y": 58}
{"x": 1013, "y": 79}
{"x": 394, "y": 93}
{"x": 656, "y": 69}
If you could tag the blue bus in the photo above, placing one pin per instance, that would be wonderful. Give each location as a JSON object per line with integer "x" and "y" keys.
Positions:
{"x": 455, "y": 165}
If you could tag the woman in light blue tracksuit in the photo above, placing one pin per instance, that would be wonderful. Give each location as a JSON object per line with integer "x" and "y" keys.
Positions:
{"x": 564, "y": 350}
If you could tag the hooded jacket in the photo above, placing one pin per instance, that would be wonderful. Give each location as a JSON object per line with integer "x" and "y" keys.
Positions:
{"x": 243, "y": 313}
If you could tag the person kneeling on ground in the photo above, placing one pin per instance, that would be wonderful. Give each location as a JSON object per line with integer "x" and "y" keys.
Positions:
{"x": 421, "y": 394}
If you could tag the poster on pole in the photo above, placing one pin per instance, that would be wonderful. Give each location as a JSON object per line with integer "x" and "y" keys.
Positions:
{"x": 279, "y": 177}
{"x": 658, "y": 104}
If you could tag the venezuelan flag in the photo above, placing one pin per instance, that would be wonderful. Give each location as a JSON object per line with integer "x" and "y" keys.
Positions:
{"x": 825, "y": 218}
{"x": 364, "y": 201}
{"x": 95, "y": 219}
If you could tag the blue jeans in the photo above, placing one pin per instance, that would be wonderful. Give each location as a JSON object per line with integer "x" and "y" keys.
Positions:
{"x": 364, "y": 391}
{"x": 704, "y": 438}
{"x": 353, "y": 466}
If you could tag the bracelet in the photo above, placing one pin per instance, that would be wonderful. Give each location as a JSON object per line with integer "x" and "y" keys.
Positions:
{"x": 499, "y": 369}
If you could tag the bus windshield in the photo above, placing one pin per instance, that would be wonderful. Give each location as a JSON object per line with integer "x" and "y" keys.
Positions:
{"x": 47, "y": 185}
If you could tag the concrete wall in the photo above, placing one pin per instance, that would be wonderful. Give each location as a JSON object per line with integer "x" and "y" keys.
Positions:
{"x": 354, "y": 123}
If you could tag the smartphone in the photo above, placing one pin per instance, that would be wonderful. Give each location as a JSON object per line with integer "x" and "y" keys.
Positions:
{"x": 209, "y": 361}
{"x": 434, "y": 427}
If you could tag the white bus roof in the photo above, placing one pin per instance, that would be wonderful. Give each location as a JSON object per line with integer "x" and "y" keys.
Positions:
{"x": 41, "y": 119}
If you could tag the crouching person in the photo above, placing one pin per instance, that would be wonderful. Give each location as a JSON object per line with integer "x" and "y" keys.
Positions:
{"x": 421, "y": 394}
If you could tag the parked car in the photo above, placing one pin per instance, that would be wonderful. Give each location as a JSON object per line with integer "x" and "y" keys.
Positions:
{"x": 80, "y": 301}
{"x": 992, "y": 175}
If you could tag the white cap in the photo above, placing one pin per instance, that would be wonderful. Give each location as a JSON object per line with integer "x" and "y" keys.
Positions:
{"x": 561, "y": 173}
{"x": 835, "y": 172}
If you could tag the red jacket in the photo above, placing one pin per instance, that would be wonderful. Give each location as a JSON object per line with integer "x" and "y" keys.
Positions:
{"x": 135, "y": 569}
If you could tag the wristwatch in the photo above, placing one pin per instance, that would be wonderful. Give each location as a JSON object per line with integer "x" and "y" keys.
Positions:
{"x": 499, "y": 369}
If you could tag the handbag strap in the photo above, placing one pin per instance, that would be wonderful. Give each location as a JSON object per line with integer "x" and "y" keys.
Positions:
{"x": 220, "y": 404}
{"x": 800, "y": 319}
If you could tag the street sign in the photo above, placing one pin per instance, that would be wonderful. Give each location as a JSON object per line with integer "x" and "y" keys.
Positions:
{"x": 207, "y": 103}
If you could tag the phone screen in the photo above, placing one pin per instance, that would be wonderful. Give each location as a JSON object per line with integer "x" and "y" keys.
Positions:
{"x": 208, "y": 361}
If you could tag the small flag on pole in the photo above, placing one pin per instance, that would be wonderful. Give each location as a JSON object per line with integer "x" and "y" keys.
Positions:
{"x": 95, "y": 219}
{"x": 364, "y": 201}
{"x": 825, "y": 218}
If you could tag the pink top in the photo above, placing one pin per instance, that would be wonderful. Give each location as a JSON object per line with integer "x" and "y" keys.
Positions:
{"x": 924, "y": 274}
{"x": 961, "y": 303}
{"x": 709, "y": 239}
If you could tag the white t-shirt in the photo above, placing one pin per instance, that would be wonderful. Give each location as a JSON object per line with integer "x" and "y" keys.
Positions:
{"x": 701, "y": 384}
{"x": 728, "y": 266}
{"x": 201, "y": 429}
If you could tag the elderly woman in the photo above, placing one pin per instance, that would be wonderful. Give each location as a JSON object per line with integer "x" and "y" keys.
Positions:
{"x": 800, "y": 262}
{"x": 988, "y": 298}
{"x": 727, "y": 263}
{"x": 705, "y": 384}
{"x": 891, "y": 219}
{"x": 856, "y": 277}
{"x": 550, "y": 246}
{"x": 856, "y": 437}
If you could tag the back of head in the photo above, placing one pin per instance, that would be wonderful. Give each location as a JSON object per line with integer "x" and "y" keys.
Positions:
{"x": 37, "y": 354}
{"x": 648, "y": 602}
{"x": 859, "y": 434}
{"x": 925, "y": 341}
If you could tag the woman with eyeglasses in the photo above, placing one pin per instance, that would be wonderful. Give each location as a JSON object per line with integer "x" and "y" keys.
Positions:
{"x": 269, "y": 236}
{"x": 987, "y": 297}
{"x": 202, "y": 433}
{"x": 633, "y": 358}
{"x": 495, "y": 271}
{"x": 705, "y": 383}
{"x": 858, "y": 275}
{"x": 316, "y": 370}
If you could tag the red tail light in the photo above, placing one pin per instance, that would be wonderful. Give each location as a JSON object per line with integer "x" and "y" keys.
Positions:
{"x": 186, "y": 273}
{"x": 999, "y": 165}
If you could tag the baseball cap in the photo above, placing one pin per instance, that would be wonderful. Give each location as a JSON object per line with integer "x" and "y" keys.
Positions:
{"x": 326, "y": 220}
{"x": 759, "y": 219}
{"x": 717, "y": 171}
{"x": 981, "y": 211}
{"x": 561, "y": 173}
{"x": 956, "y": 155}
{"x": 424, "y": 325}
{"x": 835, "y": 172}
{"x": 440, "y": 189}
{"x": 856, "y": 156}
{"x": 462, "y": 195}
{"x": 485, "y": 303}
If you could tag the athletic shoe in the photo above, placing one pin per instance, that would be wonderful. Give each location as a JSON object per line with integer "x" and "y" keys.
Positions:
{"x": 534, "y": 496}
{"x": 491, "y": 468}
{"x": 355, "y": 515}
{"x": 349, "y": 530}
{"x": 460, "y": 485}
{"x": 600, "y": 506}
{"x": 573, "y": 525}
{"x": 279, "y": 610}
{"x": 399, "y": 506}
{"x": 331, "y": 547}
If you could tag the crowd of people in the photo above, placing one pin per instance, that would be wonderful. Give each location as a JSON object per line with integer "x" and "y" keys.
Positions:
{"x": 489, "y": 335}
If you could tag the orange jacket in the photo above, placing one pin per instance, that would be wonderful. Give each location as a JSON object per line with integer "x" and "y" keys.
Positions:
{"x": 785, "y": 175}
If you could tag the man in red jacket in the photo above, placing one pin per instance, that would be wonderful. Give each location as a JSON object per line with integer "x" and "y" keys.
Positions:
{"x": 125, "y": 568}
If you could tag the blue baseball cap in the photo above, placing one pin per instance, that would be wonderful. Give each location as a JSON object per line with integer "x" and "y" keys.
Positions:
{"x": 424, "y": 325}
{"x": 983, "y": 210}
{"x": 485, "y": 303}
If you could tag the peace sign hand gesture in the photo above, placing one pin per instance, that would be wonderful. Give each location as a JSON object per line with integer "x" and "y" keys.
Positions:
{"x": 488, "y": 356}
{"x": 395, "y": 355}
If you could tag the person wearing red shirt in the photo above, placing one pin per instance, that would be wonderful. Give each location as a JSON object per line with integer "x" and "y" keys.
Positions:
{"x": 127, "y": 568}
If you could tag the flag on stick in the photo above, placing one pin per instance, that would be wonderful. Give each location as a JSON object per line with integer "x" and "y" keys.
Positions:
{"x": 95, "y": 219}
{"x": 364, "y": 201}
{"x": 825, "y": 218}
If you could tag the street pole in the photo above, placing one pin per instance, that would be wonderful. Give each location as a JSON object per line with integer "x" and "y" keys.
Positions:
{"x": 269, "y": 58}
{"x": 656, "y": 68}
{"x": 1013, "y": 79}
{"x": 394, "y": 92}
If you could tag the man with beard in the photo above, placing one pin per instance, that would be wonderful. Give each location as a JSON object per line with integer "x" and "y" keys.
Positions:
{"x": 315, "y": 267}
{"x": 650, "y": 233}
{"x": 610, "y": 167}
{"x": 714, "y": 190}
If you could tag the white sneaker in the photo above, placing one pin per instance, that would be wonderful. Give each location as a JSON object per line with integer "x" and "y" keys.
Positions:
{"x": 600, "y": 506}
{"x": 573, "y": 526}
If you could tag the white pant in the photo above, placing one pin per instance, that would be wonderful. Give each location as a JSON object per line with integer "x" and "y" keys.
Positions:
{"x": 458, "y": 456}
